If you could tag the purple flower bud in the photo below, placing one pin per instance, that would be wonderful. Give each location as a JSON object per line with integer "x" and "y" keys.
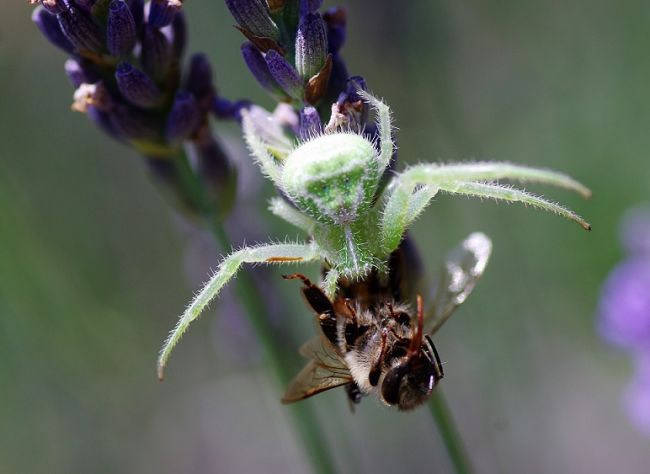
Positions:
{"x": 199, "y": 77}
{"x": 635, "y": 231}
{"x": 136, "y": 86}
{"x": 184, "y": 117}
{"x": 53, "y": 6}
{"x": 102, "y": 120}
{"x": 137, "y": 11}
{"x": 335, "y": 19}
{"x": 133, "y": 124}
{"x": 257, "y": 65}
{"x": 49, "y": 26}
{"x": 85, "y": 5}
{"x": 75, "y": 73}
{"x": 225, "y": 109}
{"x": 310, "y": 123}
{"x": 350, "y": 94}
{"x": 162, "y": 12}
{"x": 156, "y": 55}
{"x": 216, "y": 170}
{"x": 311, "y": 45}
{"x": 254, "y": 16}
{"x": 309, "y": 6}
{"x": 625, "y": 305}
{"x": 120, "y": 29}
{"x": 179, "y": 34}
{"x": 81, "y": 30}
{"x": 284, "y": 74}
{"x": 636, "y": 398}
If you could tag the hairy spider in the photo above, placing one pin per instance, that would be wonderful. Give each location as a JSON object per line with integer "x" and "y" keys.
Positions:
{"x": 332, "y": 181}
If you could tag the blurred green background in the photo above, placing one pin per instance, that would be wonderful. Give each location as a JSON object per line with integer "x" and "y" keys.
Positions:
{"x": 94, "y": 267}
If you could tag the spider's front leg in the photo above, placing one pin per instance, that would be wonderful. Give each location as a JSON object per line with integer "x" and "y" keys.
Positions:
{"x": 289, "y": 213}
{"x": 412, "y": 190}
{"x": 384, "y": 127}
{"x": 261, "y": 151}
{"x": 275, "y": 253}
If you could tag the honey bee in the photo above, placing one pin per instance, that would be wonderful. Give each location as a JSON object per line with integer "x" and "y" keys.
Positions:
{"x": 373, "y": 341}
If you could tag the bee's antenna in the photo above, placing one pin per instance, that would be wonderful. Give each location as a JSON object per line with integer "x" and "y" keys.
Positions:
{"x": 416, "y": 342}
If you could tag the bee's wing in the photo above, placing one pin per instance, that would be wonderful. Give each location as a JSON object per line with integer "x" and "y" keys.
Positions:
{"x": 463, "y": 266}
{"x": 325, "y": 370}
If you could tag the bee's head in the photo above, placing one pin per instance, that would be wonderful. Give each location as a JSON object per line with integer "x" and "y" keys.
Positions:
{"x": 410, "y": 382}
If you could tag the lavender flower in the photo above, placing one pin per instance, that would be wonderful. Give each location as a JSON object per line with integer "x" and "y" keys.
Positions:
{"x": 625, "y": 305}
{"x": 289, "y": 52}
{"x": 162, "y": 12}
{"x": 625, "y": 312}
{"x": 310, "y": 123}
{"x": 49, "y": 26}
{"x": 284, "y": 74}
{"x": 254, "y": 17}
{"x": 136, "y": 86}
{"x": 311, "y": 45}
{"x": 625, "y": 300}
{"x": 126, "y": 67}
{"x": 636, "y": 397}
{"x": 120, "y": 29}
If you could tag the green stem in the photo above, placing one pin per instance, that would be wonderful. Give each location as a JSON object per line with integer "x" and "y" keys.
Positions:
{"x": 449, "y": 433}
{"x": 303, "y": 417}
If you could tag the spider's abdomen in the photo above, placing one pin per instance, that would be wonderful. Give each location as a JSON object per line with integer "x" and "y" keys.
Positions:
{"x": 332, "y": 177}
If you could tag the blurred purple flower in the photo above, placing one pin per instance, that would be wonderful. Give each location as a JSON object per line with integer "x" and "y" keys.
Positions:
{"x": 636, "y": 397}
{"x": 126, "y": 66}
{"x": 635, "y": 231}
{"x": 624, "y": 312}
{"x": 625, "y": 305}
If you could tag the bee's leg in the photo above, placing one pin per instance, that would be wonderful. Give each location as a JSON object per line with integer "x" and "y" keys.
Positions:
{"x": 375, "y": 371}
{"x": 321, "y": 305}
{"x": 298, "y": 276}
{"x": 354, "y": 394}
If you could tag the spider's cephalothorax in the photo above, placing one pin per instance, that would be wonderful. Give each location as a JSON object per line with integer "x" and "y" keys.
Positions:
{"x": 354, "y": 225}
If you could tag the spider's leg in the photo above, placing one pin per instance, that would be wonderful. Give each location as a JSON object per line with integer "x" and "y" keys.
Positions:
{"x": 260, "y": 151}
{"x": 286, "y": 211}
{"x": 331, "y": 282}
{"x": 403, "y": 204}
{"x": 274, "y": 253}
{"x": 384, "y": 126}
{"x": 506, "y": 193}
{"x": 493, "y": 171}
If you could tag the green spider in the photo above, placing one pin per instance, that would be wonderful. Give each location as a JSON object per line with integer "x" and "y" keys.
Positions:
{"x": 333, "y": 183}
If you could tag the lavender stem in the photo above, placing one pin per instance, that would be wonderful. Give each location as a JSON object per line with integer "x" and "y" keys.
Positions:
{"x": 303, "y": 418}
{"x": 449, "y": 433}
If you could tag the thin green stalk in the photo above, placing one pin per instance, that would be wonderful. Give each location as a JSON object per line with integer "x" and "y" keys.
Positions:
{"x": 449, "y": 433}
{"x": 304, "y": 419}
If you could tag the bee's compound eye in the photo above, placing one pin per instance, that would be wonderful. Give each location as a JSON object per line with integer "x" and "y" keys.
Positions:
{"x": 409, "y": 384}
{"x": 390, "y": 387}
